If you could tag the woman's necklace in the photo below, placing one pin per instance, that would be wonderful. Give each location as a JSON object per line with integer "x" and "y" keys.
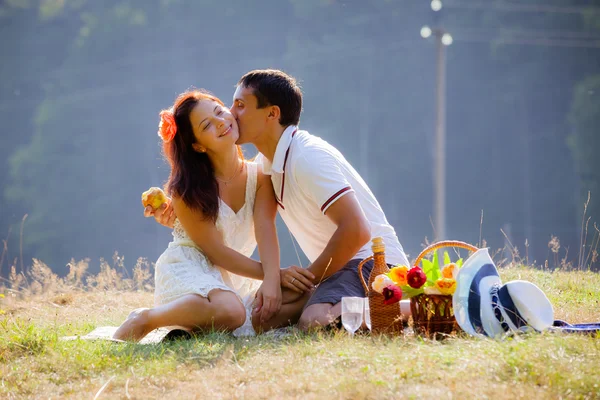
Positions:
{"x": 226, "y": 181}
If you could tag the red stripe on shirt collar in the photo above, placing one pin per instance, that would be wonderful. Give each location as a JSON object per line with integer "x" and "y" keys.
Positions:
{"x": 287, "y": 152}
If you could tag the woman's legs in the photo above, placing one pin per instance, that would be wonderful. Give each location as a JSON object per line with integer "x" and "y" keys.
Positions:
{"x": 221, "y": 310}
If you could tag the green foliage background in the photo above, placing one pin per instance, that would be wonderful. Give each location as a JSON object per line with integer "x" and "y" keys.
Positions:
{"x": 83, "y": 81}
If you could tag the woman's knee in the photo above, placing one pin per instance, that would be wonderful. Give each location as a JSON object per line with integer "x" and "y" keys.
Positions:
{"x": 230, "y": 313}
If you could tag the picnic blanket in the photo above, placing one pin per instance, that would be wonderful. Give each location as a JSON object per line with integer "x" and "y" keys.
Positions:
{"x": 156, "y": 336}
{"x": 162, "y": 335}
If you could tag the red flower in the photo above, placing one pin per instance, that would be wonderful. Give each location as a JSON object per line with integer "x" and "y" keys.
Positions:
{"x": 391, "y": 294}
{"x": 167, "y": 128}
{"x": 416, "y": 278}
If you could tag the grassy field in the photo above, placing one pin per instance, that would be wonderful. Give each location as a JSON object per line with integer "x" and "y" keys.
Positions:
{"x": 35, "y": 363}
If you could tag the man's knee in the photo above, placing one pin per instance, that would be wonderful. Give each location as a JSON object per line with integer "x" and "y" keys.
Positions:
{"x": 316, "y": 316}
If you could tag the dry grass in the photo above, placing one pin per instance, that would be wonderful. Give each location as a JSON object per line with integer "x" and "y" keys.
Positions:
{"x": 34, "y": 362}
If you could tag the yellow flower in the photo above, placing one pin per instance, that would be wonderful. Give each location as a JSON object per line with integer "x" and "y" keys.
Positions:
{"x": 398, "y": 275}
{"x": 1, "y": 296}
{"x": 446, "y": 285}
{"x": 450, "y": 271}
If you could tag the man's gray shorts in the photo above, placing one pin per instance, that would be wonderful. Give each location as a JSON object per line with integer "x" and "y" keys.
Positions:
{"x": 344, "y": 283}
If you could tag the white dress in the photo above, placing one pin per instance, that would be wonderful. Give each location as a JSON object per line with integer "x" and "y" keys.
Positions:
{"x": 183, "y": 269}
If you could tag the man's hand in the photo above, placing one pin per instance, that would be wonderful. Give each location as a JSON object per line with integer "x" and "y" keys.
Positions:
{"x": 297, "y": 279}
{"x": 268, "y": 299}
{"x": 164, "y": 215}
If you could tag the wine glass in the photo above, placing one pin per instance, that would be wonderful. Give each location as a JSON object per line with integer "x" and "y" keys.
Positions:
{"x": 352, "y": 313}
{"x": 367, "y": 313}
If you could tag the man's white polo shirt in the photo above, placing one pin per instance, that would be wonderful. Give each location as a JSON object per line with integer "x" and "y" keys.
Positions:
{"x": 308, "y": 176}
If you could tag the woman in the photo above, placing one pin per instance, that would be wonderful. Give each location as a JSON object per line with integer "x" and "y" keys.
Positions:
{"x": 224, "y": 207}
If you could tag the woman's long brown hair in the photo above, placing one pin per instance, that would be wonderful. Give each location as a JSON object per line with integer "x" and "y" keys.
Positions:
{"x": 192, "y": 176}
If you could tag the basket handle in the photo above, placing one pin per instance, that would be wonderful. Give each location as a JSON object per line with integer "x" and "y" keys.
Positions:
{"x": 362, "y": 278}
{"x": 439, "y": 245}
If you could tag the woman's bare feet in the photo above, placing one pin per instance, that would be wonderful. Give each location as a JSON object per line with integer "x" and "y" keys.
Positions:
{"x": 135, "y": 327}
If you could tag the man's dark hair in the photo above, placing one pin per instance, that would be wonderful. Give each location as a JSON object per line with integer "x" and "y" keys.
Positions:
{"x": 276, "y": 88}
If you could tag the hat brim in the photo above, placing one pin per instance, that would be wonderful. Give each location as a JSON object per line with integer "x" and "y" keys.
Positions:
{"x": 473, "y": 284}
{"x": 532, "y": 306}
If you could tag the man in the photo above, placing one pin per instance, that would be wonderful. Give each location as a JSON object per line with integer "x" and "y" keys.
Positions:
{"x": 324, "y": 202}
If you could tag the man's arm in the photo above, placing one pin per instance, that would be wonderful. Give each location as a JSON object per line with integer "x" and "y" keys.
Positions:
{"x": 352, "y": 233}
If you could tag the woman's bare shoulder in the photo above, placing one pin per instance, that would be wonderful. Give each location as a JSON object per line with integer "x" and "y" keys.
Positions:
{"x": 186, "y": 213}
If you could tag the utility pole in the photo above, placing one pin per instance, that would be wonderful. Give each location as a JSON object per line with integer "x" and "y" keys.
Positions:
{"x": 363, "y": 143}
{"x": 440, "y": 137}
{"x": 442, "y": 40}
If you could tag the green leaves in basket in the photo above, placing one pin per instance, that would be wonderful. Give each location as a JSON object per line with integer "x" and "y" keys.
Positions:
{"x": 435, "y": 275}
{"x": 428, "y": 269}
{"x": 408, "y": 292}
{"x": 431, "y": 270}
{"x": 446, "y": 258}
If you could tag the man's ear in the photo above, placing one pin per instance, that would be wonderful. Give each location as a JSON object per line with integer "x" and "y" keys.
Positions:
{"x": 274, "y": 113}
{"x": 198, "y": 147}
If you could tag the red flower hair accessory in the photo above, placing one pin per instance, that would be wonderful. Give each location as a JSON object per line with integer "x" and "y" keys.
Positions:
{"x": 167, "y": 127}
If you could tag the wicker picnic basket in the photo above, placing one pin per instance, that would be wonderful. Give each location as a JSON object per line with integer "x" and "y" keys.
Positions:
{"x": 385, "y": 319}
{"x": 433, "y": 314}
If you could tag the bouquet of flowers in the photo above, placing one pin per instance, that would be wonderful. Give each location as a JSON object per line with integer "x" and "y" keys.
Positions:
{"x": 402, "y": 282}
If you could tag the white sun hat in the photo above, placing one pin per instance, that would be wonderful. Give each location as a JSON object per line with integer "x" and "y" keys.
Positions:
{"x": 483, "y": 306}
